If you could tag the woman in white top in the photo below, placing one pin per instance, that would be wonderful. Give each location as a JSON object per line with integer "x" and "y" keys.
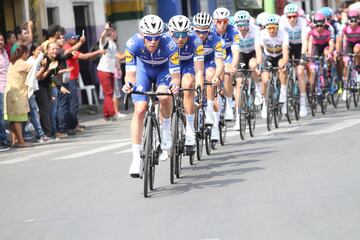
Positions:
{"x": 106, "y": 69}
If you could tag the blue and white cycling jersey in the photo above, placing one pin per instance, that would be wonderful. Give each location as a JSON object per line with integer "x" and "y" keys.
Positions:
{"x": 298, "y": 33}
{"x": 151, "y": 67}
{"x": 166, "y": 55}
{"x": 214, "y": 47}
{"x": 231, "y": 39}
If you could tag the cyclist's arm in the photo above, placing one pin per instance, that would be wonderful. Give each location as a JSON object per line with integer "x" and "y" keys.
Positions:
{"x": 219, "y": 62}
{"x": 310, "y": 45}
{"x": 130, "y": 77}
{"x": 331, "y": 45}
{"x": 304, "y": 39}
{"x": 258, "y": 51}
{"x": 235, "y": 52}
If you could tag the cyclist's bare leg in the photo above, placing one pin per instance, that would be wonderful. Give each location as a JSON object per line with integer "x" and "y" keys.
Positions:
{"x": 188, "y": 81}
{"x": 137, "y": 122}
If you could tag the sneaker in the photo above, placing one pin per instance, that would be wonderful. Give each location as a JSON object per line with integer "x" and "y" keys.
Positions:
{"x": 229, "y": 113}
{"x": 166, "y": 139}
{"x": 79, "y": 129}
{"x": 43, "y": 139}
{"x": 215, "y": 133}
{"x": 284, "y": 108}
{"x": 343, "y": 96}
{"x": 264, "y": 111}
{"x": 4, "y": 148}
{"x": 135, "y": 170}
{"x": 189, "y": 138}
{"x": 303, "y": 111}
{"x": 237, "y": 123}
{"x": 61, "y": 135}
{"x": 209, "y": 118}
{"x": 71, "y": 132}
{"x": 120, "y": 116}
{"x": 259, "y": 99}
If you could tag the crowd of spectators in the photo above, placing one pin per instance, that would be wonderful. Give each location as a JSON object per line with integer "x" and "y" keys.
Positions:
{"x": 39, "y": 83}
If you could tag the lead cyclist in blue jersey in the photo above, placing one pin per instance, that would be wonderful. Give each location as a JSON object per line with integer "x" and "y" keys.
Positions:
{"x": 150, "y": 57}
{"x": 191, "y": 52}
{"x": 214, "y": 66}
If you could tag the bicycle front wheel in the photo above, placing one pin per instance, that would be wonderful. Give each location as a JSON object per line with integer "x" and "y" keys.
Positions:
{"x": 148, "y": 156}
{"x": 173, "y": 151}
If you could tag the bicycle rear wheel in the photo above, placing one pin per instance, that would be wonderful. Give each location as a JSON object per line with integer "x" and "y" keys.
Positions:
{"x": 269, "y": 104}
{"x": 252, "y": 112}
{"x": 199, "y": 126}
{"x": 222, "y": 131}
{"x": 148, "y": 155}
{"x": 242, "y": 112}
{"x": 207, "y": 137}
{"x": 180, "y": 145}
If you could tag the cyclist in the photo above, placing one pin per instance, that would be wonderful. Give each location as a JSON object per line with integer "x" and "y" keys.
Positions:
{"x": 248, "y": 32}
{"x": 296, "y": 28}
{"x": 351, "y": 36}
{"x": 274, "y": 43}
{"x": 150, "y": 57}
{"x": 191, "y": 65}
{"x": 321, "y": 41}
{"x": 260, "y": 20}
{"x": 213, "y": 64}
{"x": 230, "y": 35}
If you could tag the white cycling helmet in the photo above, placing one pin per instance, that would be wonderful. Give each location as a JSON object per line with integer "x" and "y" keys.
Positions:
{"x": 291, "y": 8}
{"x": 202, "y": 19}
{"x": 221, "y": 13}
{"x": 261, "y": 19}
{"x": 272, "y": 19}
{"x": 242, "y": 16}
{"x": 179, "y": 23}
{"x": 151, "y": 24}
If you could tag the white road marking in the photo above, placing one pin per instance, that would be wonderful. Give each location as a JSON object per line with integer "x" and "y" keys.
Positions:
{"x": 93, "y": 151}
{"x": 124, "y": 151}
{"x": 336, "y": 127}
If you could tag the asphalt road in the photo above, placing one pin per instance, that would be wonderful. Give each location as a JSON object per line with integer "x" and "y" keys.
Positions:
{"x": 300, "y": 181}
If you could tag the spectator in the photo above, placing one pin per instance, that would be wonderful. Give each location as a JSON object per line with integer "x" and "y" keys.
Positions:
{"x": 71, "y": 108}
{"x": 4, "y": 65}
{"x": 24, "y": 36}
{"x": 10, "y": 40}
{"x": 33, "y": 86}
{"x": 16, "y": 105}
{"x": 117, "y": 91}
{"x": 106, "y": 69}
{"x": 47, "y": 76}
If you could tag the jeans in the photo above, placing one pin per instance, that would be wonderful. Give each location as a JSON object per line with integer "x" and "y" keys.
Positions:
{"x": 69, "y": 107}
{"x": 43, "y": 99}
{"x": 2, "y": 123}
{"x": 54, "y": 106}
{"x": 34, "y": 117}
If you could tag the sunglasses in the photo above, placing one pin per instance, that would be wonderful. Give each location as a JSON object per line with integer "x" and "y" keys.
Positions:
{"x": 222, "y": 21}
{"x": 292, "y": 16}
{"x": 202, "y": 32}
{"x": 319, "y": 25}
{"x": 243, "y": 24}
{"x": 353, "y": 20}
{"x": 152, "y": 38}
{"x": 180, "y": 34}
{"x": 271, "y": 28}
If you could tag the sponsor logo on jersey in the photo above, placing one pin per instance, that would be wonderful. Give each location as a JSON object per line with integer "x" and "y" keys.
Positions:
{"x": 199, "y": 50}
{"x": 236, "y": 38}
{"x": 218, "y": 47}
{"x": 128, "y": 56}
{"x": 174, "y": 59}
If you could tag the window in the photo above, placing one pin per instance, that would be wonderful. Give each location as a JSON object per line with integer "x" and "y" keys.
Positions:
{"x": 53, "y": 15}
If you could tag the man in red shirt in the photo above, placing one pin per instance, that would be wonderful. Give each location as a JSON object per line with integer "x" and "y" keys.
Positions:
{"x": 71, "y": 103}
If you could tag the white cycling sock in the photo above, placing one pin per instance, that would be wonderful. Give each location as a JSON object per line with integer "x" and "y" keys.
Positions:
{"x": 166, "y": 123}
{"x": 210, "y": 105}
{"x": 136, "y": 149}
{"x": 216, "y": 118}
{"x": 302, "y": 99}
{"x": 190, "y": 121}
